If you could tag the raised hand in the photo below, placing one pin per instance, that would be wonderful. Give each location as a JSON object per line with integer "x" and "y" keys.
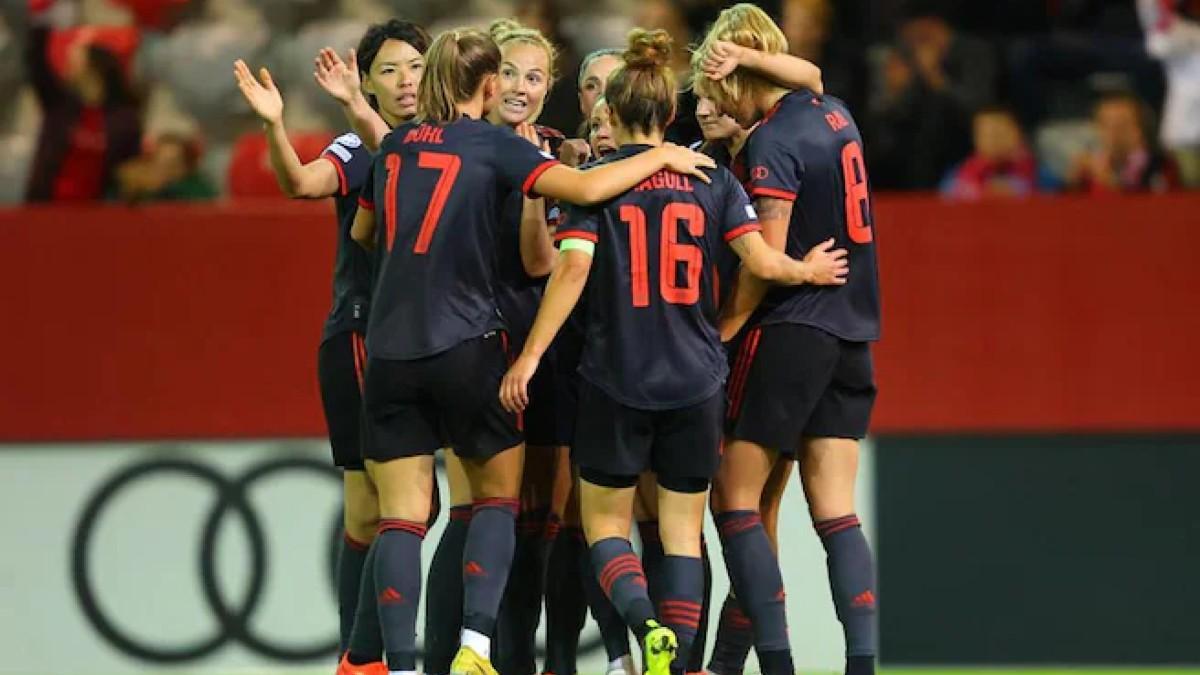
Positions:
{"x": 340, "y": 79}
{"x": 263, "y": 97}
{"x": 827, "y": 267}
{"x": 721, "y": 60}
{"x": 690, "y": 162}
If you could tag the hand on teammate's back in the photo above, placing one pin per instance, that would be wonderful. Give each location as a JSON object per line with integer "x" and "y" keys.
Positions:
{"x": 682, "y": 160}
{"x": 829, "y": 267}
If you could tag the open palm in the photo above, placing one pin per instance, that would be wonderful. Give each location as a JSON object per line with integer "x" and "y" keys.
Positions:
{"x": 263, "y": 97}
{"x": 339, "y": 79}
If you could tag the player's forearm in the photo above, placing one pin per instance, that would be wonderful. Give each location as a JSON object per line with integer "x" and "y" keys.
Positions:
{"x": 363, "y": 229}
{"x": 537, "y": 249}
{"x": 606, "y": 182}
{"x": 746, "y": 298}
{"x": 285, "y": 163}
{"x": 366, "y": 122}
{"x": 784, "y": 69}
{"x": 562, "y": 294}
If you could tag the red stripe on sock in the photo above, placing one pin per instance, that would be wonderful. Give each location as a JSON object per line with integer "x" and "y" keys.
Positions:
{"x": 624, "y": 564}
{"x": 461, "y": 513}
{"x": 619, "y": 568}
{"x": 389, "y": 524}
{"x": 835, "y": 525}
{"x": 511, "y": 505}
{"x": 354, "y": 543}
{"x": 733, "y": 526}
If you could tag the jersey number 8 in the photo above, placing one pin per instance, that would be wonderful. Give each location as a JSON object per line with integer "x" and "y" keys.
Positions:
{"x": 671, "y": 253}
{"x": 854, "y": 175}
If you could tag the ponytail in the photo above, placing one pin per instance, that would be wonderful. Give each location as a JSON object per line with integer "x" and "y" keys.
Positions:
{"x": 641, "y": 91}
{"x": 455, "y": 67}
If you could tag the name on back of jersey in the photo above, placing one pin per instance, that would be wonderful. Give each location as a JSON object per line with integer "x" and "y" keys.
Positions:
{"x": 666, "y": 180}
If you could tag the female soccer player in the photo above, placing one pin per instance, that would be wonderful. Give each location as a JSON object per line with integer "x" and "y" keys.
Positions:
{"x": 803, "y": 380}
{"x": 652, "y": 368}
{"x": 392, "y": 62}
{"x": 435, "y": 337}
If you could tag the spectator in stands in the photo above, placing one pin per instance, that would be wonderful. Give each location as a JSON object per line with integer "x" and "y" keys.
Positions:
{"x": 808, "y": 26}
{"x": 90, "y": 121}
{"x": 927, "y": 83}
{"x": 1125, "y": 161}
{"x": 1001, "y": 165}
{"x": 1173, "y": 36}
{"x": 167, "y": 171}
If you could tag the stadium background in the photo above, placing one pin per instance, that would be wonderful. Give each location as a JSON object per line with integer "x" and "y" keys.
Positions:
{"x": 1028, "y": 485}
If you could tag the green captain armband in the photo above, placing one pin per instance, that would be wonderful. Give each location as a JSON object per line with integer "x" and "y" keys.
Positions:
{"x": 573, "y": 244}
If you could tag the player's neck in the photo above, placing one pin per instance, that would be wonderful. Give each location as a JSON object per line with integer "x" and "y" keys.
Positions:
{"x": 768, "y": 99}
{"x": 472, "y": 108}
{"x": 392, "y": 120}
{"x": 638, "y": 138}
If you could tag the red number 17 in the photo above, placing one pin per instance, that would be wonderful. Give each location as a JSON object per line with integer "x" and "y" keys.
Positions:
{"x": 445, "y": 163}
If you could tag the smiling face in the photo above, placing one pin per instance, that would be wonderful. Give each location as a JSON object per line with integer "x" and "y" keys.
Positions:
{"x": 524, "y": 82}
{"x": 714, "y": 125}
{"x": 393, "y": 80}
{"x": 600, "y": 133}
{"x": 594, "y": 79}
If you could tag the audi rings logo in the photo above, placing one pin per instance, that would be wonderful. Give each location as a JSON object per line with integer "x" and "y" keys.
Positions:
{"x": 233, "y": 617}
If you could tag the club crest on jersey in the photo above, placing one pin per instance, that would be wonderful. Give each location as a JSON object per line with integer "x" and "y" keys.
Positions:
{"x": 759, "y": 173}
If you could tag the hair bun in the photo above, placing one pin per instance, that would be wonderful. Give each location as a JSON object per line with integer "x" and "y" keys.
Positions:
{"x": 501, "y": 27}
{"x": 648, "y": 48}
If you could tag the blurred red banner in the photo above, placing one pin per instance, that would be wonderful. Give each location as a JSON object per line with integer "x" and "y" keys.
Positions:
{"x": 1066, "y": 314}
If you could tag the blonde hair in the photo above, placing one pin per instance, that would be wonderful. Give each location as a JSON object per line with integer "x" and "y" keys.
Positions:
{"x": 746, "y": 25}
{"x": 641, "y": 91}
{"x": 504, "y": 31}
{"x": 455, "y": 66}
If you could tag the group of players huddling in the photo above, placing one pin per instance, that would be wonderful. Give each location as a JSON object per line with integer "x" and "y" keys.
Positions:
{"x": 706, "y": 319}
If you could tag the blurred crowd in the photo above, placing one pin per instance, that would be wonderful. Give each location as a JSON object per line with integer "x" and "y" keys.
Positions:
{"x": 134, "y": 100}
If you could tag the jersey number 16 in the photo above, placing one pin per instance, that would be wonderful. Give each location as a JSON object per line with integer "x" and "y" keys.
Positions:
{"x": 671, "y": 253}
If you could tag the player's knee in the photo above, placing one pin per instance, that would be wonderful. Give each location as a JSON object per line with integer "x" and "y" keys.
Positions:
{"x": 361, "y": 521}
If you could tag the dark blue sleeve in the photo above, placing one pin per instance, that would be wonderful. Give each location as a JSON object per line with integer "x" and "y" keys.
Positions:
{"x": 517, "y": 161}
{"x": 737, "y": 216}
{"x": 774, "y": 167}
{"x": 366, "y": 193}
{"x": 578, "y": 222}
{"x": 352, "y": 161}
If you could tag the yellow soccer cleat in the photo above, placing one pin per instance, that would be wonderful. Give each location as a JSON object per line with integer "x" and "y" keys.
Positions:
{"x": 469, "y": 662}
{"x": 659, "y": 648}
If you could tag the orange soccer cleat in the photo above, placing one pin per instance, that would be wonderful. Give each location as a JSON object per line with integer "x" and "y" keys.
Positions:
{"x": 372, "y": 668}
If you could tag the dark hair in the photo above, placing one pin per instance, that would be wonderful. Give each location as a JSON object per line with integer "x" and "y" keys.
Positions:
{"x": 455, "y": 67}
{"x": 641, "y": 91}
{"x": 117, "y": 92}
{"x": 394, "y": 29}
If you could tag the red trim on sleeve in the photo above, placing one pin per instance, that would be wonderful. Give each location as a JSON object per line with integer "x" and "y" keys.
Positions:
{"x": 773, "y": 192}
{"x": 527, "y": 188}
{"x": 576, "y": 234}
{"x": 364, "y": 204}
{"x": 742, "y": 229}
{"x": 343, "y": 184}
